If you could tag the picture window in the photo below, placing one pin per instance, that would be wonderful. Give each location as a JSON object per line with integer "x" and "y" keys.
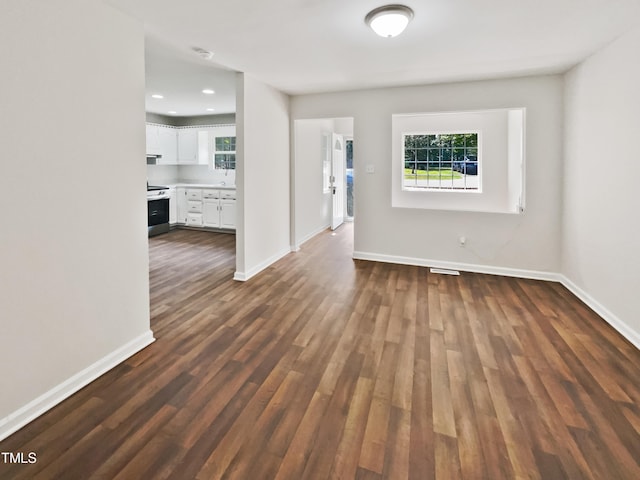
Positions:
{"x": 471, "y": 161}
{"x": 441, "y": 161}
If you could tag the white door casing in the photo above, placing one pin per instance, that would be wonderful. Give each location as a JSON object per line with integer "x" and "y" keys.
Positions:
{"x": 337, "y": 180}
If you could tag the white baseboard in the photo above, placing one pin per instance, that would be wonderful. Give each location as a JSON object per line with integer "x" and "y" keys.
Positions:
{"x": 465, "y": 267}
{"x": 309, "y": 236}
{"x": 18, "y": 419}
{"x": 244, "y": 276}
{"x": 240, "y": 277}
{"x": 623, "y": 328}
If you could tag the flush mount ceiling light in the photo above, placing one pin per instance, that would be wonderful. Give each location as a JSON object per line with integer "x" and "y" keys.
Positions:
{"x": 157, "y": 95}
{"x": 208, "y": 91}
{"x": 389, "y": 20}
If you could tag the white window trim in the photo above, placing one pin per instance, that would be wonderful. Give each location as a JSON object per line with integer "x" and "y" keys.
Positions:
{"x": 501, "y": 153}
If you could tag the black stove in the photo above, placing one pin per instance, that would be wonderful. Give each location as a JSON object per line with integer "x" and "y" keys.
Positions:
{"x": 158, "y": 209}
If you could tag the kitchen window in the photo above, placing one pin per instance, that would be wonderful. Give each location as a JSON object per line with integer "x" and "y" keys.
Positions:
{"x": 225, "y": 153}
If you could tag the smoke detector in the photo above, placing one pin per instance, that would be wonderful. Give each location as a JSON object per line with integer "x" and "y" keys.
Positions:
{"x": 205, "y": 54}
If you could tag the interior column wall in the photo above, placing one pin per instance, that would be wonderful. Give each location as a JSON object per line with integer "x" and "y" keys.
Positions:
{"x": 74, "y": 258}
{"x": 262, "y": 176}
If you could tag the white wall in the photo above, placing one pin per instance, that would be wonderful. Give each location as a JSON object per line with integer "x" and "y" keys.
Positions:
{"x": 203, "y": 174}
{"x": 343, "y": 126}
{"x": 601, "y": 238}
{"x": 74, "y": 262}
{"x": 528, "y": 243}
{"x": 312, "y": 205}
{"x": 262, "y": 176}
{"x": 163, "y": 174}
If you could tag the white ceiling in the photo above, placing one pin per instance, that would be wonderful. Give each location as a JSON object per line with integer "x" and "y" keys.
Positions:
{"x": 310, "y": 46}
{"x": 180, "y": 77}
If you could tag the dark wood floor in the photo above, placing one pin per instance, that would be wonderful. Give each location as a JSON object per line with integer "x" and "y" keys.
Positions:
{"x": 324, "y": 367}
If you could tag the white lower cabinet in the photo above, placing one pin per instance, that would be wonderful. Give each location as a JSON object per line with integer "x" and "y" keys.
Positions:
{"x": 219, "y": 208}
{"x": 228, "y": 214}
{"x": 181, "y": 205}
{"x": 194, "y": 206}
{"x": 194, "y": 219}
{"x": 211, "y": 212}
{"x": 206, "y": 207}
{"x": 173, "y": 207}
{"x": 194, "y": 212}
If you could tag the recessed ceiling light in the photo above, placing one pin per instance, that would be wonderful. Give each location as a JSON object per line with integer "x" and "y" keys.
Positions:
{"x": 172, "y": 112}
{"x": 157, "y": 95}
{"x": 208, "y": 91}
{"x": 211, "y": 109}
{"x": 389, "y": 20}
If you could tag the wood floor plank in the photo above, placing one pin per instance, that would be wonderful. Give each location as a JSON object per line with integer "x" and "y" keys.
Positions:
{"x": 421, "y": 453}
{"x": 472, "y": 462}
{"x": 447, "y": 457}
{"x": 520, "y": 455}
{"x": 295, "y": 460}
{"x": 555, "y": 438}
{"x": 443, "y": 417}
{"x": 331, "y": 429}
{"x": 325, "y": 367}
{"x": 396, "y": 459}
{"x": 345, "y": 463}
{"x": 374, "y": 442}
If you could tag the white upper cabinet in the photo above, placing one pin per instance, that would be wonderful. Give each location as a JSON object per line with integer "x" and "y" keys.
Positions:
{"x": 153, "y": 140}
{"x": 168, "y": 137}
{"x": 187, "y": 146}
{"x": 204, "y": 147}
{"x": 194, "y": 145}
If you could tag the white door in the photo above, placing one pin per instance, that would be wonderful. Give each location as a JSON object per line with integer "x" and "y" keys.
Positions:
{"x": 337, "y": 180}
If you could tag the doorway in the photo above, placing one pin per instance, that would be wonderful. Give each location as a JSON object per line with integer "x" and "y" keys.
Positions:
{"x": 341, "y": 179}
{"x": 323, "y": 163}
{"x": 348, "y": 160}
{"x": 337, "y": 180}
